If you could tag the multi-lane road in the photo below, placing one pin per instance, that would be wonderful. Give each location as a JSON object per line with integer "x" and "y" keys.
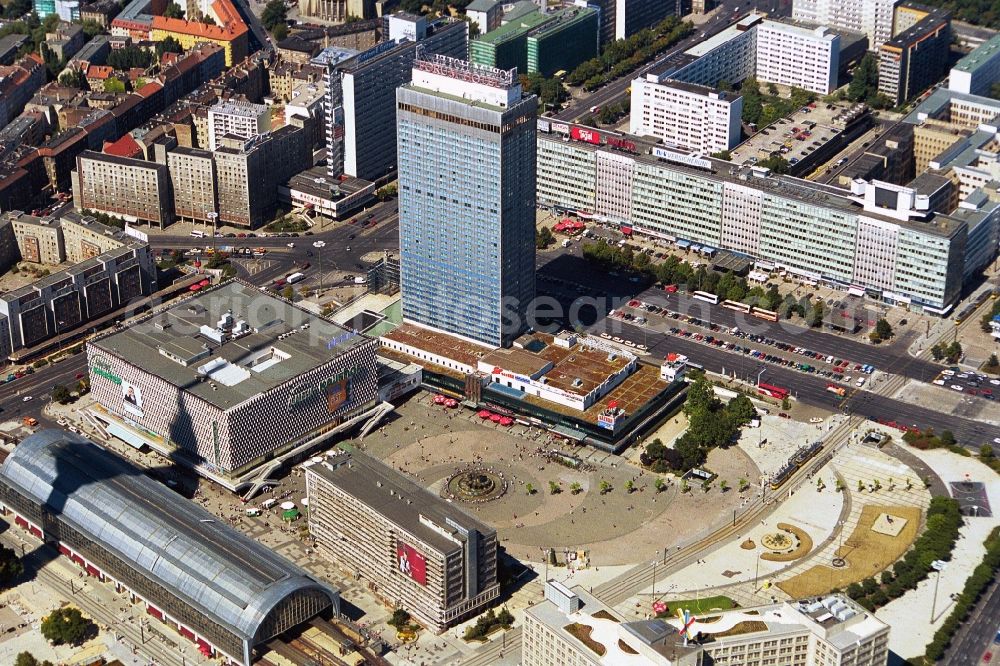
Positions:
{"x": 722, "y": 17}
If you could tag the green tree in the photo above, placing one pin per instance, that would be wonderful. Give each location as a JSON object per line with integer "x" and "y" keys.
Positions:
{"x": 66, "y": 625}
{"x": 883, "y": 329}
{"x": 529, "y": 489}
{"x": 776, "y": 163}
{"x": 604, "y": 487}
{"x": 864, "y": 81}
{"x": 400, "y": 618}
{"x": 544, "y": 238}
{"x": 28, "y": 659}
{"x": 743, "y": 484}
{"x": 723, "y": 155}
{"x": 947, "y": 438}
{"x": 274, "y": 13}
{"x": 126, "y": 58}
{"x": 753, "y": 101}
{"x": 630, "y": 486}
{"x": 816, "y": 314}
{"x": 659, "y": 484}
{"x": 16, "y": 9}
{"x": 575, "y": 488}
{"x": 280, "y": 32}
{"x": 91, "y": 28}
{"x": 173, "y": 10}
{"x": 741, "y": 410}
{"x": 993, "y": 363}
{"x": 554, "y": 488}
{"x": 60, "y": 394}
{"x": 986, "y": 452}
{"x": 10, "y": 566}
{"x": 73, "y": 78}
{"x": 114, "y": 85}
{"x": 723, "y": 485}
{"x": 288, "y": 293}
{"x": 168, "y": 45}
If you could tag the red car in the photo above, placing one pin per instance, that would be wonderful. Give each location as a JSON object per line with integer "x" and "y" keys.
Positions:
{"x": 79, "y": 375}
{"x": 670, "y": 289}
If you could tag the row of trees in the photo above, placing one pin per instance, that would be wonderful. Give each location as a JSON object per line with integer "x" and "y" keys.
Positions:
{"x": 726, "y": 286}
{"x": 949, "y": 353}
{"x": 626, "y": 55}
{"x": 944, "y": 518}
{"x": 762, "y": 110}
{"x": 488, "y": 622}
{"x": 551, "y": 92}
{"x": 975, "y": 585}
{"x": 126, "y": 58}
{"x": 711, "y": 424}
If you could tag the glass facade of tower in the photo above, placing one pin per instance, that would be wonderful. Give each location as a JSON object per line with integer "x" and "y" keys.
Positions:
{"x": 466, "y": 213}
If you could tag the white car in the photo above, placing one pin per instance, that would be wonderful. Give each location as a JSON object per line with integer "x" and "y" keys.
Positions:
{"x": 996, "y": 440}
{"x": 26, "y": 398}
{"x": 860, "y": 382}
{"x": 963, "y": 375}
{"x": 956, "y": 387}
{"x": 291, "y": 245}
{"x": 995, "y": 382}
{"x": 947, "y": 373}
{"x": 939, "y": 382}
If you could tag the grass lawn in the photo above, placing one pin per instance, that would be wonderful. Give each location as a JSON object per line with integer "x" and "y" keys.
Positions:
{"x": 696, "y": 606}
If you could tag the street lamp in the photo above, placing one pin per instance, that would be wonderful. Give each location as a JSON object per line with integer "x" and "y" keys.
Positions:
{"x": 763, "y": 370}
{"x": 319, "y": 245}
{"x": 213, "y": 216}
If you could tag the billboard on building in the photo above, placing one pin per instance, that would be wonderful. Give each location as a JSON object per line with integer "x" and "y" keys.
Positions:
{"x": 587, "y": 135}
{"x": 336, "y": 394}
{"x": 411, "y": 563}
{"x": 131, "y": 399}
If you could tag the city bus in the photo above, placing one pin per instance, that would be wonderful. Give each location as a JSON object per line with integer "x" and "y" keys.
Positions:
{"x": 773, "y": 391}
{"x": 705, "y": 296}
{"x": 197, "y": 234}
{"x": 736, "y": 305}
{"x": 761, "y": 313}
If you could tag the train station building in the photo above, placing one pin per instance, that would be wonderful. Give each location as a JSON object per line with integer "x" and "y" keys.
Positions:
{"x": 214, "y": 585}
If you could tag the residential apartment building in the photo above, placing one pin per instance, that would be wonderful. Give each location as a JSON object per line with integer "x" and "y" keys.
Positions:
{"x": 192, "y": 175}
{"x": 485, "y": 14}
{"x": 466, "y": 200}
{"x": 338, "y": 11}
{"x": 792, "y": 55}
{"x": 829, "y": 631}
{"x": 812, "y": 230}
{"x": 228, "y": 31}
{"x": 916, "y": 58}
{"x": 249, "y": 172}
{"x": 110, "y": 269}
{"x": 621, "y": 19}
{"x": 415, "y": 550}
{"x": 18, "y": 83}
{"x": 134, "y": 189}
{"x": 976, "y": 73}
{"x": 873, "y": 18}
{"x": 360, "y": 107}
{"x": 238, "y": 118}
{"x": 699, "y": 118}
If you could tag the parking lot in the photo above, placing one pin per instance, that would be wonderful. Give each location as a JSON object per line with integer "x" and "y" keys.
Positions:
{"x": 764, "y": 349}
{"x": 970, "y": 383}
{"x": 794, "y": 137}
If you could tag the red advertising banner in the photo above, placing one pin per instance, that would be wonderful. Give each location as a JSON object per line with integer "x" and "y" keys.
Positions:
{"x": 411, "y": 562}
{"x": 583, "y": 134}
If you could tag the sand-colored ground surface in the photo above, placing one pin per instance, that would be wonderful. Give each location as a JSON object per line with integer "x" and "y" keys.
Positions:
{"x": 865, "y": 551}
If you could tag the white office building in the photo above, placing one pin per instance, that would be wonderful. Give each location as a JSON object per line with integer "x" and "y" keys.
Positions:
{"x": 828, "y": 631}
{"x": 795, "y": 56}
{"x": 977, "y": 72}
{"x": 873, "y": 18}
{"x": 697, "y": 117}
{"x": 238, "y": 118}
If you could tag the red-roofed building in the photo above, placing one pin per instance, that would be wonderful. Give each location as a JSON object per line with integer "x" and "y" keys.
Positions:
{"x": 230, "y": 33}
{"x": 123, "y": 147}
{"x": 149, "y": 89}
{"x": 97, "y": 75}
{"x": 18, "y": 83}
